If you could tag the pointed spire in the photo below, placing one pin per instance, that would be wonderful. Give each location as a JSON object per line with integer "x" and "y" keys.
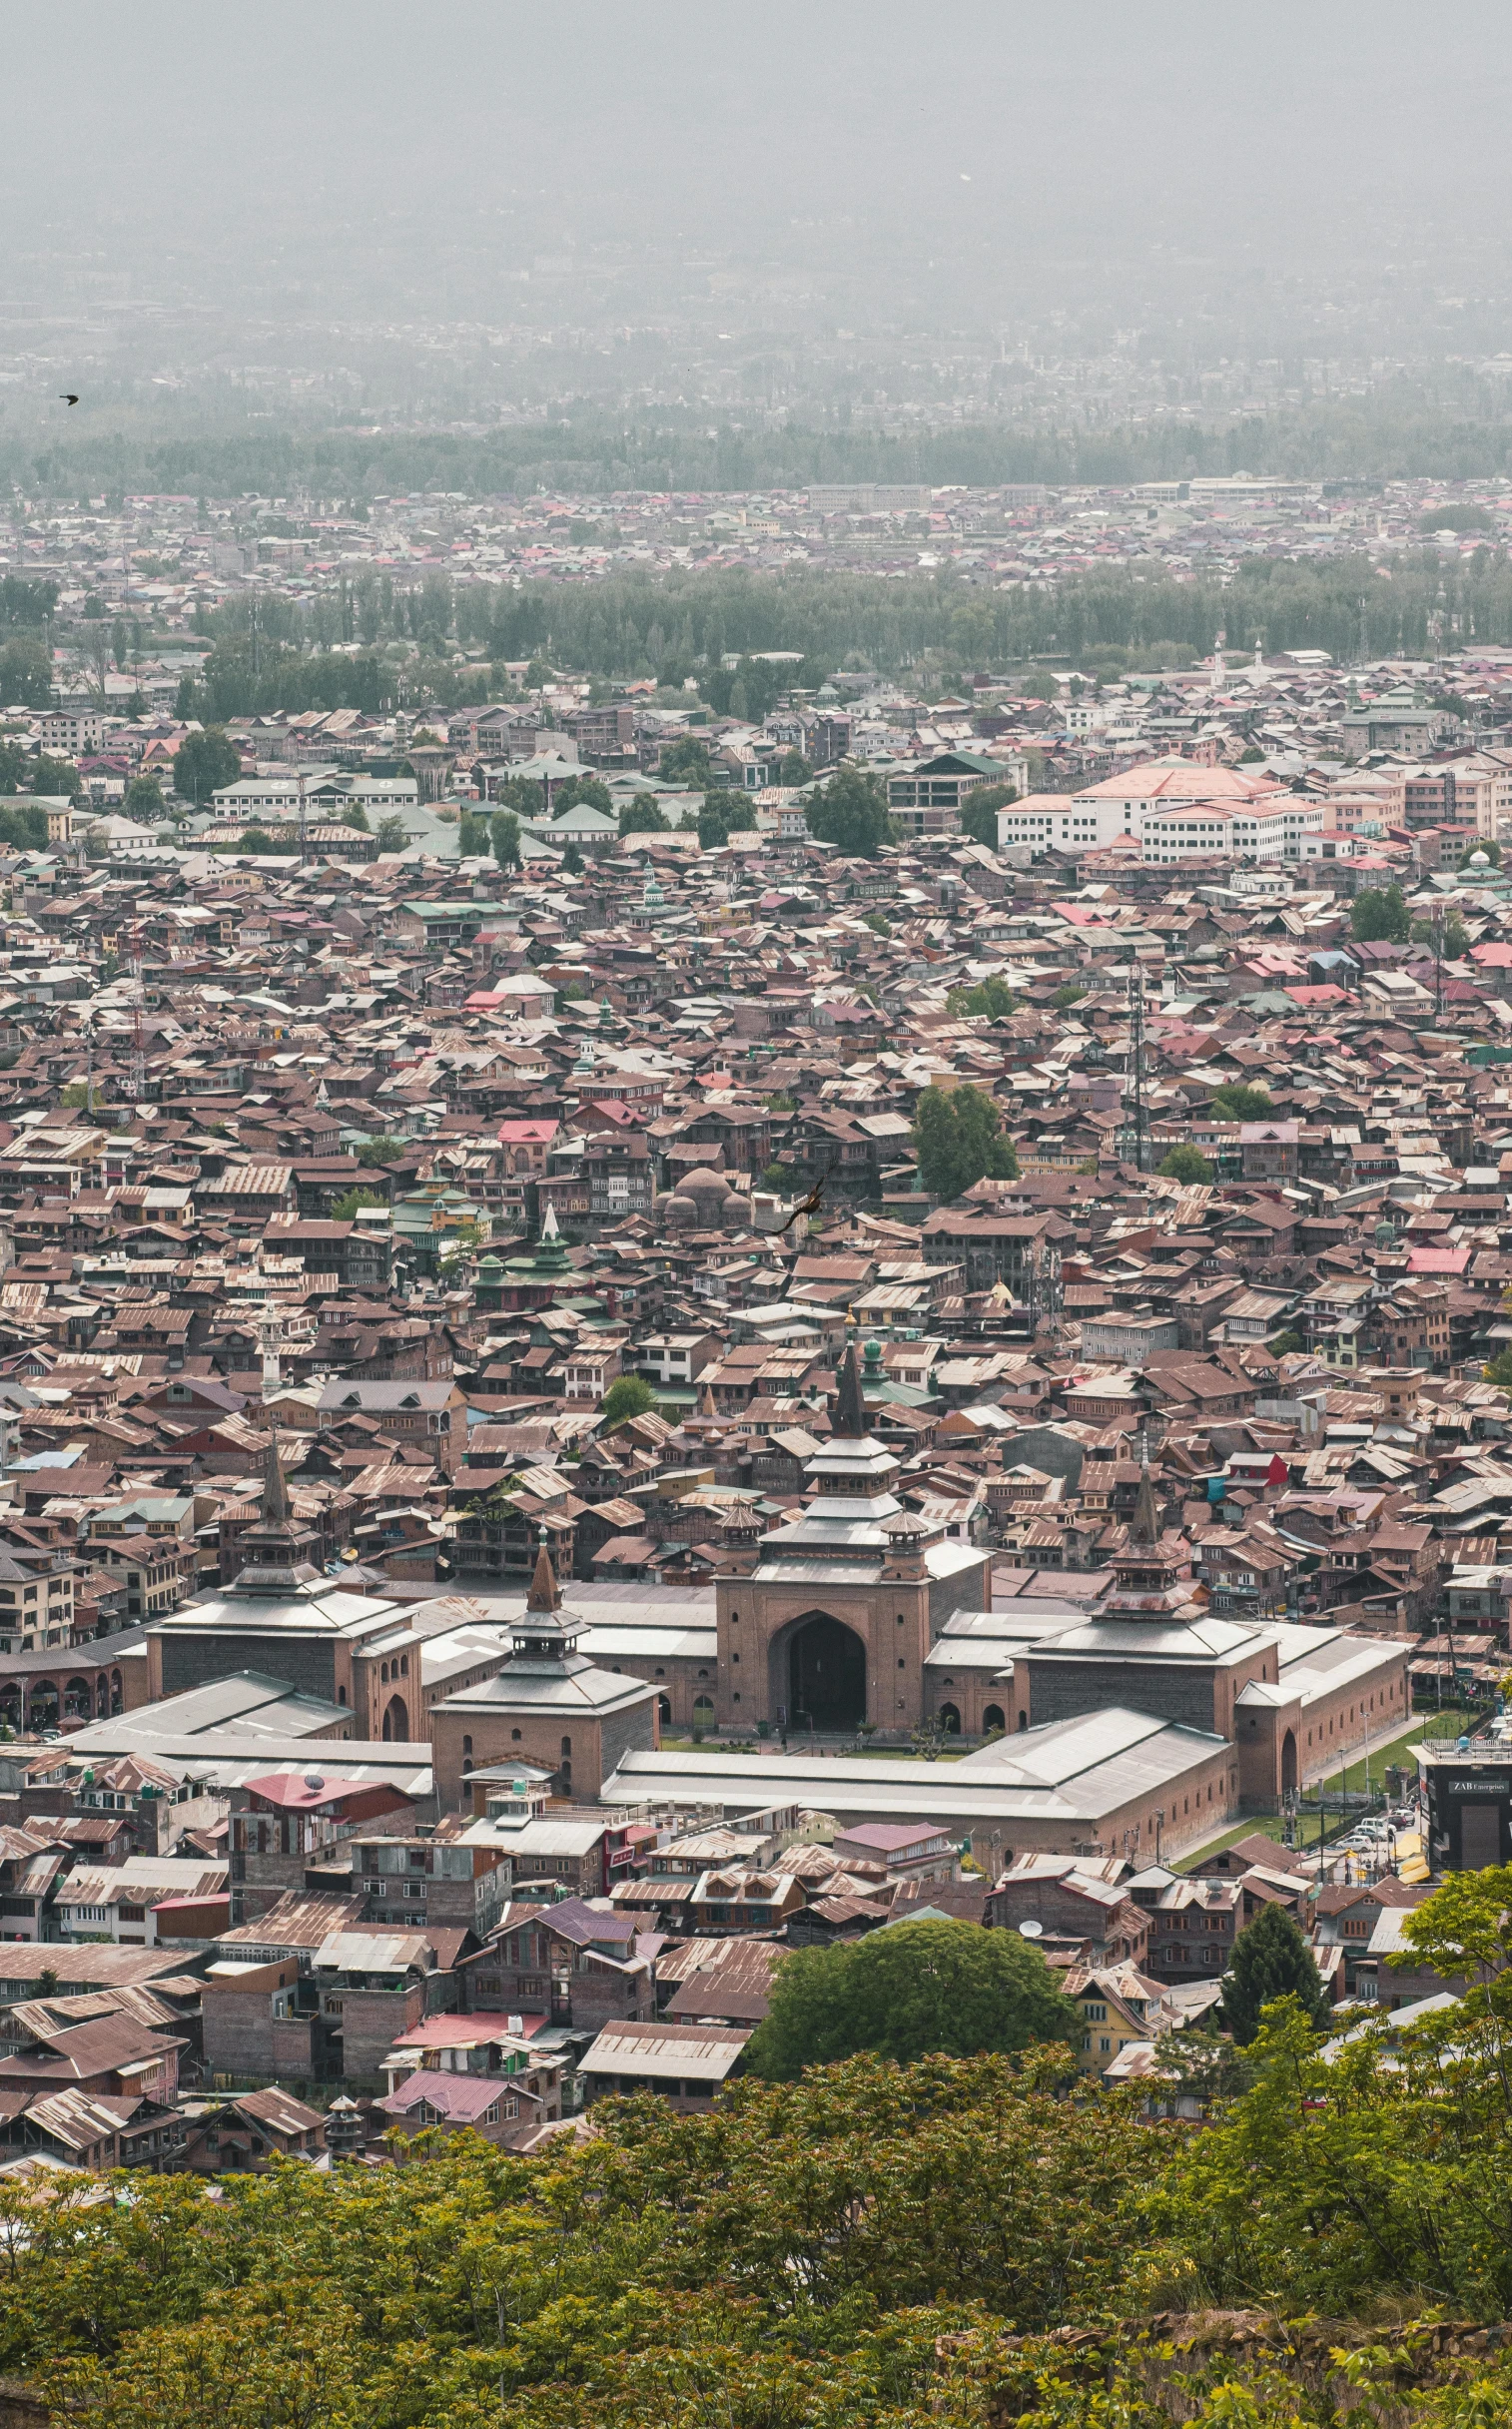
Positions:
{"x": 544, "y": 1594}
{"x": 1147, "y": 1527}
{"x": 849, "y": 1407}
{"x": 275, "y": 1491}
{"x": 549, "y": 1228}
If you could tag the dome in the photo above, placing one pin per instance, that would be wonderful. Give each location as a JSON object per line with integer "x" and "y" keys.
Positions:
{"x": 1477, "y": 860}
{"x": 701, "y": 1182}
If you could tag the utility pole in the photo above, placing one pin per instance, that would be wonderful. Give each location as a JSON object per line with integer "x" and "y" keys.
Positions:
{"x": 1136, "y": 1067}
{"x": 304, "y": 823}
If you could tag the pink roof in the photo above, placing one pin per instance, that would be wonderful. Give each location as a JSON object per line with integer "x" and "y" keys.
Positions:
{"x": 456, "y": 2032}
{"x": 524, "y": 1134}
{"x": 1492, "y": 956}
{"x": 1437, "y": 1260}
{"x": 462, "y": 2097}
{"x": 1317, "y": 995}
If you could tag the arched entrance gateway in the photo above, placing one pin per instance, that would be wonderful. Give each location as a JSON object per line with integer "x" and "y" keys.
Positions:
{"x": 1288, "y": 1763}
{"x": 826, "y": 1673}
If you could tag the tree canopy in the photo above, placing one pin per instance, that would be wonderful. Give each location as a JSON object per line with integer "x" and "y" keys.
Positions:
{"x": 1188, "y": 1163}
{"x": 630, "y": 1396}
{"x": 1238, "y": 1102}
{"x": 958, "y": 1139}
{"x": 907, "y": 1993}
{"x": 991, "y": 998}
{"x": 852, "y": 813}
{"x": 203, "y": 763}
{"x": 1380, "y": 916}
{"x": 1271, "y": 1961}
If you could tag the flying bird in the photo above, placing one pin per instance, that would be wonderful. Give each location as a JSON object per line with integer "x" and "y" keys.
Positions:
{"x": 67, "y": 400}
{"x": 809, "y": 1206}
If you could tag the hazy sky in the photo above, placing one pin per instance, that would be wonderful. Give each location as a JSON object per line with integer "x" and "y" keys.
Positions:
{"x": 980, "y": 163}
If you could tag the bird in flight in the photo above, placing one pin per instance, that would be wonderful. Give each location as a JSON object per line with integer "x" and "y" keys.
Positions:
{"x": 809, "y": 1206}
{"x": 67, "y": 400}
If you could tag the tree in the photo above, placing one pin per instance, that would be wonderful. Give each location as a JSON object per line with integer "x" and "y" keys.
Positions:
{"x": 472, "y": 834}
{"x": 1234, "y": 1102}
{"x": 1380, "y": 916}
{"x": 957, "y": 1135}
{"x": 26, "y": 673}
{"x": 57, "y": 776}
{"x": 992, "y": 999}
{"x": 685, "y": 761}
{"x": 503, "y": 834}
{"x": 1065, "y": 995}
{"x": 907, "y": 1993}
{"x": 258, "y": 841}
{"x": 793, "y": 769}
{"x": 353, "y": 815}
{"x": 979, "y": 812}
{"x": 589, "y": 790}
{"x": 1186, "y": 1164}
{"x": 1499, "y": 1370}
{"x": 878, "y": 922}
{"x": 642, "y": 817}
{"x": 713, "y": 826}
{"x": 1285, "y": 1344}
{"x": 393, "y": 835}
{"x": 1486, "y": 844}
{"x": 203, "y": 763}
{"x": 1271, "y": 1961}
{"x": 382, "y": 1148}
{"x": 344, "y": 1209}
{"x": 571, "y": 860}
{"x": 851, "y": 813}
{"x": 630, "y": 1396}
{"x": 144, "y": 801}
{"x": 1448, "y": 940}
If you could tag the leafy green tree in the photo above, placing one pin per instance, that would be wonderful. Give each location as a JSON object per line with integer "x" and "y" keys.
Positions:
{"x": 793, "y": 769}
{"x": 203, "y": 763}
{"x": 878, "y": 922}
{"x": 1065, "y": 995}
{"x": 1499, "y": 1370}
{"x": 908, "y": 1991}
{"x": 14, "y": 765}
{"x": 1486, "y": 844}
{"x": 1237, "y": 1101}
{"x": 958, "y": 1140}
{"x": 1271, "y": 1961}
{"x": 1380, "y": 916}
{"x": 990, "y": 999}
{"x": 503, "y": 834}
{"x": 587, "y": 789}
{"x": 1186, "y": 1164}
{"x": 713, "y": 825}
{"x": 382, "y": 1148}
{"x": 685, "y": 761}
{"x": 393, "y": 835}
{"x": 257, "y": 840}
{"x": 1448, "y": 943}
{"x": 26, "y": 673}
{"x": 24, "y": 828}
{"x": 144, "y": 800}
{"x": 344, "y": 1209}
{"x": 1284, "y": 1344}
{"x": 851, "y": 813}
{"x": 572, "y": 860}
{"x": 979, "y": 812}
{"x": 472, "y": 835}
{"x": 630, "y": 1396}
{"x": 57, "y": 776}
{"x": 642, "y": 817}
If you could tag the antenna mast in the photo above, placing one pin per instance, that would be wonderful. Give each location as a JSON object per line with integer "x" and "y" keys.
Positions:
{"x": 1141, "y": 1119}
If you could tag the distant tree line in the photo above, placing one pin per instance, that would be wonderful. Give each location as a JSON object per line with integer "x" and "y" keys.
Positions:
{"x": 1448, "y": 431}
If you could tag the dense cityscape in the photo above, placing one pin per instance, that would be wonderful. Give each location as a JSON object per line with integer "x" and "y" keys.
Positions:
{"x": 755, "y": 1221}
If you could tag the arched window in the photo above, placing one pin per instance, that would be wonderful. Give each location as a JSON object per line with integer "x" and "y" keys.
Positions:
{"x": 341, "y": 1695}
{"x": 703, "y": 1712}
{"x": 514, "y": 1737}
{"x": 1024, "y": 1720}
{"x": 384, "y": 1673}
{"x": 404, "y": 1665}
{"x": 993, "y": 1721}
{"x": 949, "y": 1720}
{"x": 664, "y": 1710}
{"x": 566, "y": 1744}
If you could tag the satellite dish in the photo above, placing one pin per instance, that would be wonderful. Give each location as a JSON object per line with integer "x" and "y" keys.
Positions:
{"x": 1030, "y": 1930}
{"x": 312, "y": 1780}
